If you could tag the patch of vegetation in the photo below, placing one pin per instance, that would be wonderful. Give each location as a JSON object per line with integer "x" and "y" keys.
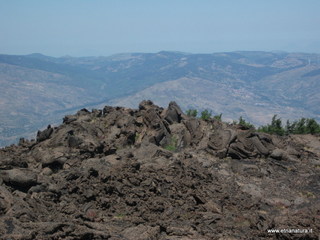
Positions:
{"x": 136, "y": 137}
{"x": 218, "y": 117}
{"x": 307, "y": 194}
{"x": 119, "y": 216}
{"x": 245, "y": 124}
{"x": 206, "y": 114}
{"x": 274, "y": 128}
{"x": 301, "y": 126}
{"x": 192, "y": 112}
{"x": 172, "y": 146}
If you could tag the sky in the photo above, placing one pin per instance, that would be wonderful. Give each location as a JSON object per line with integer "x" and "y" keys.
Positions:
{"x": 105, "y": 27}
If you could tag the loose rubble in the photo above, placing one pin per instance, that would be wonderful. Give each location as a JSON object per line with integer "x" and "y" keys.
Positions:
{"x": 154, "y": 173}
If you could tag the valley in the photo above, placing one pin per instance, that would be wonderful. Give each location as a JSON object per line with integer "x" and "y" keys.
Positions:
{"x": 37, "y": 90}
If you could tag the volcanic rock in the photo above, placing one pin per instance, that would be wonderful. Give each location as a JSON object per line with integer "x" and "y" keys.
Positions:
{"x": 154, "y": 173}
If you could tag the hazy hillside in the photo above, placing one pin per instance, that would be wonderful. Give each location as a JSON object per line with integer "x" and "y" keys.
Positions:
{"x": 220, "y": 97}
{"x": 37, "y": 89}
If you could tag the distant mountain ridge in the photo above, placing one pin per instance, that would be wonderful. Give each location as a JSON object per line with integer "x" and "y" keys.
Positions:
{"x": 37, "y": 90}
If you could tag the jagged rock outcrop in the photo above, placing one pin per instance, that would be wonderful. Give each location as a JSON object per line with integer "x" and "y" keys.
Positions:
{"x": 154, "y": 173}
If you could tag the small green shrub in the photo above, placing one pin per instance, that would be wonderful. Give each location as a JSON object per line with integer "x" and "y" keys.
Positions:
{"x": 301, "y": 126}
{"x": 136, "y": 137}
{"x": 245, "y": 124}
{"x": 274, "y": 128}
{"x": 192, "y": 112}
{"x": 218, "y": 117}
{"x": 172, "y": 145}
{"x": 206, "y": 114}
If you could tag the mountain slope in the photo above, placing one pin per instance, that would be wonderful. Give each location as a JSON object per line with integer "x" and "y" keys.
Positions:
{"x": 31, "y": 97}
{"x": 201, "y": 94}
{"x": 38, "y": 89}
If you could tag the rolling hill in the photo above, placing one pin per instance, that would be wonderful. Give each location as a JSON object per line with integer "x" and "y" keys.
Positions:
{"x": 37, "y": 90}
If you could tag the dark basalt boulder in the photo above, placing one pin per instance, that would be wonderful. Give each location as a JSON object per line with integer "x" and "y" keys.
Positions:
{"x": 221, "y": 139}
{"x": 238, "y": 144}
{"x": 21, "y": 179}
{"x": 173, "y": 114}
{"x": 69, "y": 119}
{"x": 45, "y": 134}
{"x": 146, "y": 104}
{"x": 247, "y": 144}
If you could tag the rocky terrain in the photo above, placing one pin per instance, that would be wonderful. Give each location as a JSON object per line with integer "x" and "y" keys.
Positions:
{"x": 155, "y": 173}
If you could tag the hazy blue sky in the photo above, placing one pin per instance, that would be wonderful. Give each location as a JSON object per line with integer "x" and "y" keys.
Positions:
{"x": 105, "y": 27}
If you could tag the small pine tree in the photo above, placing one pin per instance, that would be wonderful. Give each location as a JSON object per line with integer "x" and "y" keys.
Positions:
{"x": 245, "y": 124}
{"x": 301, "y": 126}
{"x": 218, "y": 117}
{"x": 206, "y": 114}
{"x": 192, "y": 112}
{"x": 312, "y": 126}
{"x": 287, "y": 128}
{"x": 274, "y": 128}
